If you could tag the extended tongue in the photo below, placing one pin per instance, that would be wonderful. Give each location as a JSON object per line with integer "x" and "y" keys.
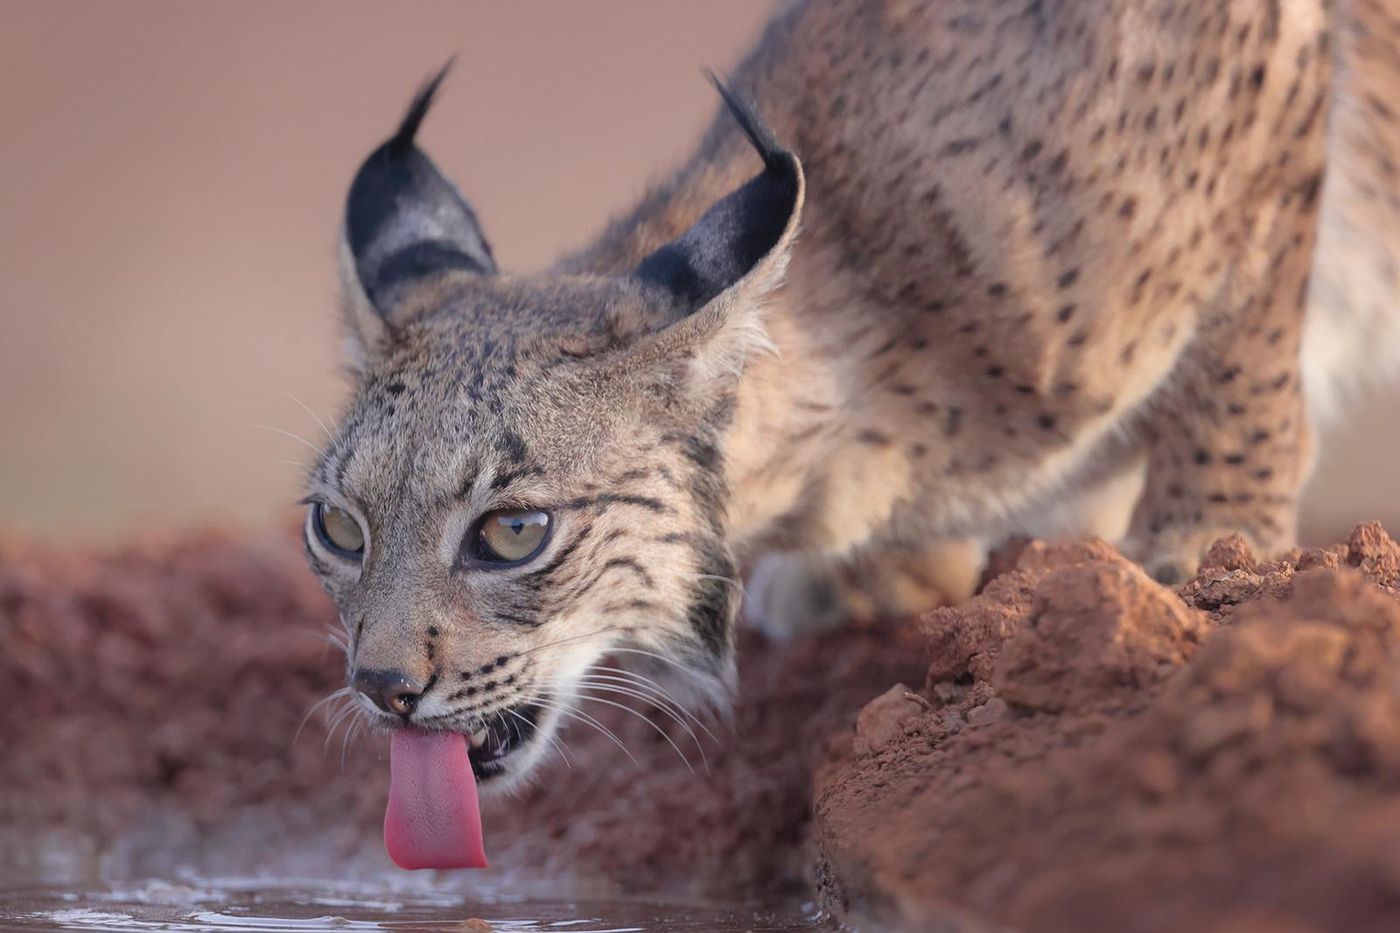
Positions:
{"x": 433, "y": 820}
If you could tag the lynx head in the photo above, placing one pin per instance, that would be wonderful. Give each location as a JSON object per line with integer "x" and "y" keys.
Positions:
{"x": 529, "y": 475}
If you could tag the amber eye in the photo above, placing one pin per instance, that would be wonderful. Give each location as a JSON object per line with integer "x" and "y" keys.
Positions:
{"x": 338, "y": 530}
{"x": 510, "y": 536}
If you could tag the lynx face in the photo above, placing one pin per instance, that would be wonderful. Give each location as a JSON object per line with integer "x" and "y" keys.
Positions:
{"x": 528, "y": 477}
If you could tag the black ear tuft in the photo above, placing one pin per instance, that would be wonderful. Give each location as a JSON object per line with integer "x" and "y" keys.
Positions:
{"x": 743, "y": 112}
{"x": 402, "y": 141}
{"x": 403, "y": 219}
{"x": 740, "y": 229}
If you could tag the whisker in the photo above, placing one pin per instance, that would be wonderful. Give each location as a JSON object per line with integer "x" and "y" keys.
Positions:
{"x": 311, "y": 711}
{"x": 659, "y": 731}
{"x": 563, "y": 747}
{"x": 356, "y": 723}
{"x": 610, "y": 686}
{"x": 571, "y": 638}
{"x": 643, "y": 682}
{"x": 695, "y": 677}
{"x": 337, "y": 718}
{"x": 557, "y": 747}
{"x": 659, "y": 657}
{"x": 564, "y": 710}
{"x": 714, "y": 576}
{"x": 296, "y": 437}
{"x": 307, "y": 408}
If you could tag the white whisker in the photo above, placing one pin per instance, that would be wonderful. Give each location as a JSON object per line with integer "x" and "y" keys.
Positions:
{"x": 610, "y": 685}
{"x": 348, "y": 737}
{"x": 660, "y": 731}
{"x": 328, "y": 698}
{"x": 571, "y": 638}
{"x": 296, "y": 437}
{"x": 337, "y": 718}
{"x": 307, "y": 408}
{"x": 714, "y": 576}
{"x": 643, "y": 682}
{"x": 565, "y": 710}
{"x": 552, "y": 741}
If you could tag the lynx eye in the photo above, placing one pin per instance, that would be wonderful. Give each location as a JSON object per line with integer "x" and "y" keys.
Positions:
{"x": 510, "y": 536}
{"x": 338, "y": 530}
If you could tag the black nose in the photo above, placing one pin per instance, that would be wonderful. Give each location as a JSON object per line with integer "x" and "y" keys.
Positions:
{"x": 391, "y": 691}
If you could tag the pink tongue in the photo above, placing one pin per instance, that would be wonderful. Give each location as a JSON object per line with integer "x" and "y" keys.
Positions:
{"x": 432, "y": 820}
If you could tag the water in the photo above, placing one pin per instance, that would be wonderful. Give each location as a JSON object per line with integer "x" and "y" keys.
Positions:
{"x": 255, "y": 907}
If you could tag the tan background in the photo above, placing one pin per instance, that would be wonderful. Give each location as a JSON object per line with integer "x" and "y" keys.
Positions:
{"x": 172, "y": 179}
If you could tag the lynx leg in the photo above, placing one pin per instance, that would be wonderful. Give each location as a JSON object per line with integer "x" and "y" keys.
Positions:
{"x": 793, "y": 594}
{"x": 1232, "y": 452}
{"x": 1104, "y": 508}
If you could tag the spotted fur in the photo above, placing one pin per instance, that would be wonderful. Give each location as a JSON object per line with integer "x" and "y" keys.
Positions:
{"x": 1052, "y": 273}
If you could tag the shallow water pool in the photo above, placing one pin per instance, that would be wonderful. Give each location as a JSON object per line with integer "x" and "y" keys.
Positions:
{"x": 249, "y": 907}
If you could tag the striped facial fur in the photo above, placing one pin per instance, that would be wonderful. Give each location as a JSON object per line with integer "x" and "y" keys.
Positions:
{"x": 529, "y": 474}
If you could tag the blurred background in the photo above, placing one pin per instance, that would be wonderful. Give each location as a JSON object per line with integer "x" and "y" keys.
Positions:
{"x": 172, "y": 184}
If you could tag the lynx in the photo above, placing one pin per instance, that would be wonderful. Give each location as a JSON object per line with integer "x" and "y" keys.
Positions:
{"x": 940, "y": 272}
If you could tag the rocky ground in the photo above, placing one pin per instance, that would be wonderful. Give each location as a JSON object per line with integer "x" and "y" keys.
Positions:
{"x": 1076, "y": 748}
{"x": 1090, "y": 750}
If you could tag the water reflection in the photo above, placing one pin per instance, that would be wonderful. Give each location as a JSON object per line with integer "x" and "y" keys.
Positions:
{"x": 247, "y": 906}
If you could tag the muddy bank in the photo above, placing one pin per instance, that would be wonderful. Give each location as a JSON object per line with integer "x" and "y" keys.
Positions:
{"x": 1076, "y": 748}
{"x": 1089, "y": 750}
{"x": 151, "y": 700}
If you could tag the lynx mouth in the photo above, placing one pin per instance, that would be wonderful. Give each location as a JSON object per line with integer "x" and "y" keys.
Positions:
{"x": 507, "y": 731}
{"x": 433, "y": 816}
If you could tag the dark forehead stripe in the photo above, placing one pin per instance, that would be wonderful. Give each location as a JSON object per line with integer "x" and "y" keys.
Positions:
{"x": 607, "y": 499}
{"x": 532, "y": 620}
{"x": 342, "y": 465}
{"x": 514, "y": 447}
{"x": 341, "y": 451}
{"x": 469, "y": 480}
{"x": 510, "y": 477}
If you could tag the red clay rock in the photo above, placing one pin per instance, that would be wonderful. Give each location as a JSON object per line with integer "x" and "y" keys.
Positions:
{"x": 965, "y": 640}
{"x": 1094, "y": 631}
{"x": 882, "y": 720}
{"x": 1253, "y": 784}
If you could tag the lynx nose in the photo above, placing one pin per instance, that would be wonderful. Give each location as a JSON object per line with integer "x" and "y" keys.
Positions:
{"x": 391, "y": 691}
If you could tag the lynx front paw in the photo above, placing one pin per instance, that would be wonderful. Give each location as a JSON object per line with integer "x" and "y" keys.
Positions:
{"x": 789, "y": 595}
{"x": 1172, "y": 559}
{"x": 793, "y": 594}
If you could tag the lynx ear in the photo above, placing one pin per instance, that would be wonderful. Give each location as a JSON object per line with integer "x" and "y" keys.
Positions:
{"x": 746, "y": 230}
{"x": 718, "y": 270}
{"x": 404, "y": 222}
